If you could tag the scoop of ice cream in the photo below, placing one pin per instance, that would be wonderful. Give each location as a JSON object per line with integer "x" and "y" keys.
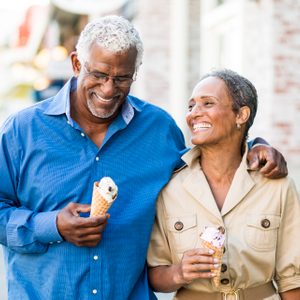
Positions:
{"x": 108, "y": 189}
{"x": 214, "y": 236}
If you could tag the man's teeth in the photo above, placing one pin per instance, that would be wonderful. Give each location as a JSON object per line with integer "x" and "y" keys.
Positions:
{"x": 102, "y": 99}
{"x": 201, "y": 126}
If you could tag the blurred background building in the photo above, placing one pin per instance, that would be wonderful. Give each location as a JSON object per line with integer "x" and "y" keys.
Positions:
{"x": 183, "y": 39}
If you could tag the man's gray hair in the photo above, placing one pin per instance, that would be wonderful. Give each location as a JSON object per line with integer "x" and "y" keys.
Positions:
{"x": 114, "y": 33}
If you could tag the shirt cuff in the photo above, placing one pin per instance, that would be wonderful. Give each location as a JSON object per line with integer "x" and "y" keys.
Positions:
{"x": 45, "y": 228}
{"x": 290, "y": 283}
{"x": 259, "y": 144}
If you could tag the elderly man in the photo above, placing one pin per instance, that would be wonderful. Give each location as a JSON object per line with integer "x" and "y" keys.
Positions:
{"x": 50, "y": 155}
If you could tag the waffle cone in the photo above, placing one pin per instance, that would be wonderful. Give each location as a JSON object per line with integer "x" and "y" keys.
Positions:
{"x": 217, "y": 254}
{"x": 99, "y": 204}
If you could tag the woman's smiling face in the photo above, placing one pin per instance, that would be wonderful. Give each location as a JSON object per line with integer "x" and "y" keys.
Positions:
{"x": 211, "y": 118}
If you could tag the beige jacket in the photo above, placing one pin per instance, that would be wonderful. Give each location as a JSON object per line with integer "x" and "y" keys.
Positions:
{"x": 261, "y": 218}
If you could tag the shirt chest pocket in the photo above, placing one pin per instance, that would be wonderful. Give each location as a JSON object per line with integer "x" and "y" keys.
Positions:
{"x": 183, "y": 231}
{"x": 261, "y": 231}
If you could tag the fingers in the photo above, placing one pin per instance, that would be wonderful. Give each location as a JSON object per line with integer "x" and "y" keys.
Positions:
{"x": 268, "y": 160}
{"x": 77, "y": 208}
{"x": 90, "y": 222}
{"x": 254, "y": 163}
{"x": 270, "y": 169}
{"x": 255, "y": 157}
{"x": 275, "y": 166}
{"x": 198, "y": 263}
{"x": 78, "y": 230}
{"x": 202, "y": 267}
{"x": 82, "y": 232}
{"x": 88, "y": 241}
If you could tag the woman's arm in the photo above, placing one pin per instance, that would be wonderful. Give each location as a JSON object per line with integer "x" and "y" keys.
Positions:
{"x": 291, "y": 294}
{"x": 195, "y": 264}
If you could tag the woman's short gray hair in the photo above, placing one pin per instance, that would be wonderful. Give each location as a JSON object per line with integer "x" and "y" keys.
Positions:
{"x": 114, "y": 33}
{"x": 241, "y": 90}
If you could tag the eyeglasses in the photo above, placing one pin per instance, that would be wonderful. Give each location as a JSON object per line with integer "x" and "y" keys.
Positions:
{"x": 120, "y": 81}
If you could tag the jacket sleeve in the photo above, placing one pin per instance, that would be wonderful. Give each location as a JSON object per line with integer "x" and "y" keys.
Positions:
{"x": 21, "y": 229}
{"x": 287, "y": 274}
{"x": 159, "y": 252}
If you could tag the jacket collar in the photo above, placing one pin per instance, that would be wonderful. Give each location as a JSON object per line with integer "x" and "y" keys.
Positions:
{"x": 196, "y": 183}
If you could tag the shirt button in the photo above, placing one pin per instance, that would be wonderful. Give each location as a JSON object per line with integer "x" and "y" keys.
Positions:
{"x": 178, "y": 225}
{"x": 265, "y": 223}
{"x": 82, "y": 134}
{"x": 94, "y": 291}
{"x": 97, "y": 158}
{"x": 223, "y": 268}
{"x": 58, "y": 242}
{"x": 95, "y": 257}
{"x": 225, "y": 281}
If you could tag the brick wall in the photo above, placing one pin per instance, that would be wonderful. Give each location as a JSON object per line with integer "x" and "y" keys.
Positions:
{"x": 286, "y": 56}
{"x": 270, "y": 58}
{"x": 272, "y": 62}
{"x": 153, "y": 23}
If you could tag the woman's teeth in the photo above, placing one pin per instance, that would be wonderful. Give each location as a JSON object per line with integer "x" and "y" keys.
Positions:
{"x": 200, "y": 126}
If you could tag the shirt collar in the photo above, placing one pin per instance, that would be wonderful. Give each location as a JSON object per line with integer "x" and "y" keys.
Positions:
{"x": 192, "y": 156}
{"x": 61, "y": 103}
{"x": 128, "y": 109}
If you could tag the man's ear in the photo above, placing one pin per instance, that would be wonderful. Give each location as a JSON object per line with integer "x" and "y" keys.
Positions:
{"x": 243, "y": 115}
{"x": 76, "y": 65}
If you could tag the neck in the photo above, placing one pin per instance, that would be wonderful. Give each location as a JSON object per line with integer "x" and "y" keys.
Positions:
{"x": 219, "y": 164}
{"x": 94, "y": 127}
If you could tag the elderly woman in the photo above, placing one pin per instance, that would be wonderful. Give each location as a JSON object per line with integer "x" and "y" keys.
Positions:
{"x": 260, "y": 217}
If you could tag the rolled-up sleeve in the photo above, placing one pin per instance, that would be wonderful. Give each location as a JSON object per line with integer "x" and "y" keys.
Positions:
{"x": 288, "y": 253}
{"x": 159, "y": 252}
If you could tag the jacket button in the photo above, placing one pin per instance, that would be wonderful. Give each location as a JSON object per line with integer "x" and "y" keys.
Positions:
{"x": 225, "y": 281}
{"x": 265, "y": 223}
{"x": 178, "y": 225}
{"x": 221, "y": 229}
{"x": 223, "y": 268}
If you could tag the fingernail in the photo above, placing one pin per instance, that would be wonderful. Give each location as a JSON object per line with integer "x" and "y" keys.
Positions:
{"x": 216, "y": 265}
{"x": 211, "y": 251}
{"x": 216, "y": 260}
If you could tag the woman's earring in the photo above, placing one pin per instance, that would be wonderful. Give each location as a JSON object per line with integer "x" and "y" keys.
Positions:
{"x": 238, "y": 126}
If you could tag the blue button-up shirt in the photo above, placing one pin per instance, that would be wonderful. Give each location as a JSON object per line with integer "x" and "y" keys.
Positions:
{"x": 47, "y": 161}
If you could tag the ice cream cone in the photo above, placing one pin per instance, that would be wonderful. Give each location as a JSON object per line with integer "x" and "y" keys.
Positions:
{"x": 99, "y": 204}
{"x": 214, "y": 238}
{"x": 218, "y": 253}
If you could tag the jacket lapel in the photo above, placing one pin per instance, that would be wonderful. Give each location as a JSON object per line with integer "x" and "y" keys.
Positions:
{"x": 241, "y": 185}
{"x": 197, "y": 186}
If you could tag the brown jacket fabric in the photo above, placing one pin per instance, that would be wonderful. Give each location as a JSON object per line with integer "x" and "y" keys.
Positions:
{"x": 261, "y": 218}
